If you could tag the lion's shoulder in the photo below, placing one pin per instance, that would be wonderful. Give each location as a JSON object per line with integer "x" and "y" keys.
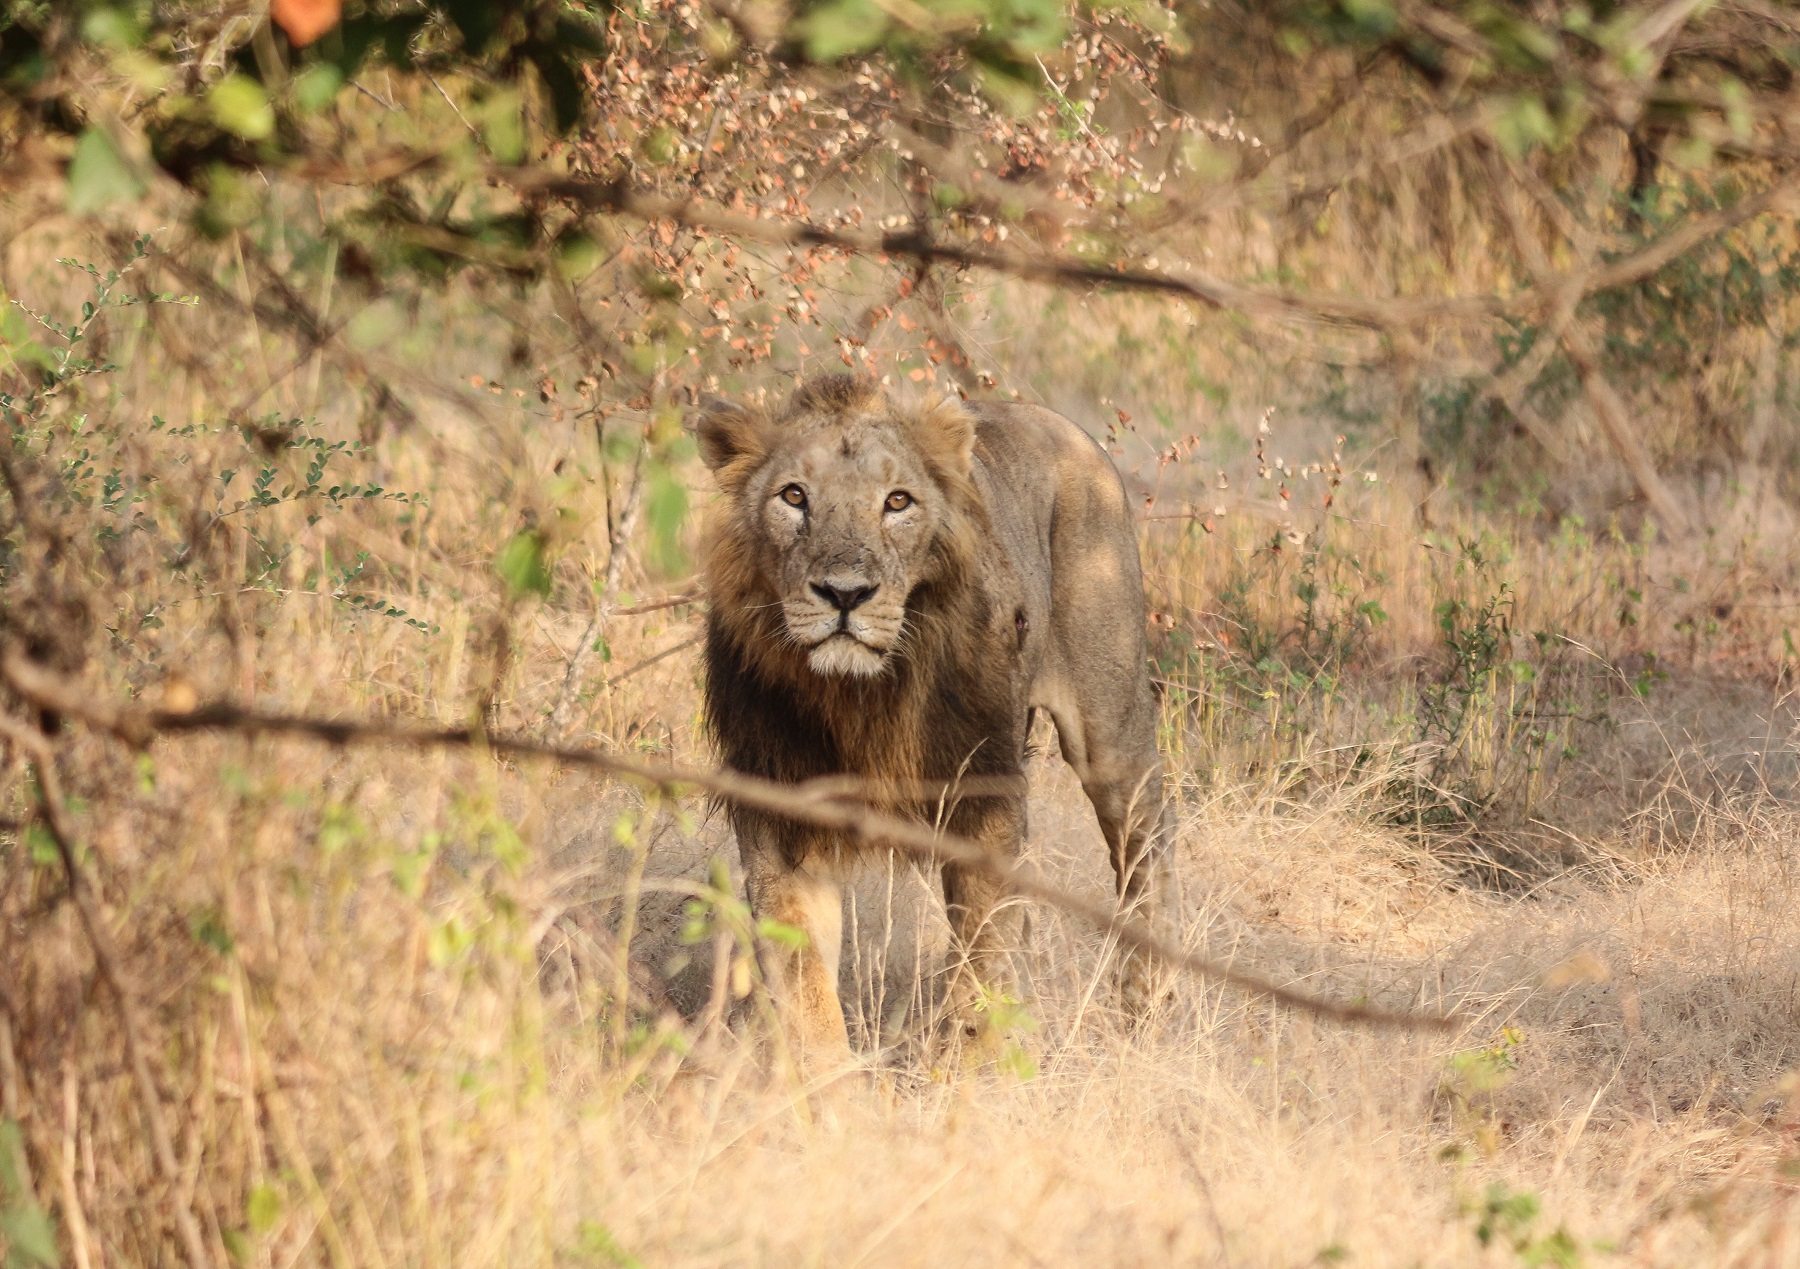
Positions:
{"x": 1032, "y": 441}
{"x": 1039, "y": 467}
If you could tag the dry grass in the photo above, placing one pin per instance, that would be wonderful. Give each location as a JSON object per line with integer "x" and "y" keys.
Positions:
{"x": 436, "y": 1009}
{"x": 355, "y": 1085}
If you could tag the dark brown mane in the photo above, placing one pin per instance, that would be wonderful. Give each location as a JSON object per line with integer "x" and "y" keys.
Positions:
{"x": 933, "y": 715}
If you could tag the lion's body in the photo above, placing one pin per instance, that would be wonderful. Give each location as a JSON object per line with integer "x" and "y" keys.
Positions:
{"x": 1009, "y": 581}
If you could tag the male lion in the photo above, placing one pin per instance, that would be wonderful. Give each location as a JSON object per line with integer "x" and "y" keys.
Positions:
{"x": 893, "y": 591}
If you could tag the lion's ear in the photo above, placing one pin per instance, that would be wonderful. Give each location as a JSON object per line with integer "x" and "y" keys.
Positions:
{"x": 729, "y": 435}
{"x": 946, "y": 431}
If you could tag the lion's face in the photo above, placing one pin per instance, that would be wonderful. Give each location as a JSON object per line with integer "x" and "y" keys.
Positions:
{"x": 847, "y": 519}
{"x": 842, "y": 504}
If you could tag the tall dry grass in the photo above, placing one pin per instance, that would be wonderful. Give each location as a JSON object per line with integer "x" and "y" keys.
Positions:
{"x": 435, "y": 1009}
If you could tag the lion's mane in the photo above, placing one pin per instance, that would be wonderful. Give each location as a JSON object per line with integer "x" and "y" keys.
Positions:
{"x": 924, "y": 719}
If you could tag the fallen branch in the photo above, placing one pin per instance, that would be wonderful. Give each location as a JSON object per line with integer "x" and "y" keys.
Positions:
{"x": 819, "y": 804}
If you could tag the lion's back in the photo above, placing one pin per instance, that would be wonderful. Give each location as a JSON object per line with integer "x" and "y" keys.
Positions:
{"x": 1052, "y": 494}
{"x": 1065, "y": 552}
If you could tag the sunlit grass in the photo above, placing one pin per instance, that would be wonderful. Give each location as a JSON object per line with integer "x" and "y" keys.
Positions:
{"x": 441, "y": 1009}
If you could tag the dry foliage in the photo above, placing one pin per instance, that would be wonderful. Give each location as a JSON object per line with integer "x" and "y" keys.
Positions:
{"x": 404, "y": 1007}
{"x": 1466, "y": 487}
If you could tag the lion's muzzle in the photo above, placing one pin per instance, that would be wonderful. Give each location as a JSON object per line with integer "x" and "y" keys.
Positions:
{"x": 844, "y": 632}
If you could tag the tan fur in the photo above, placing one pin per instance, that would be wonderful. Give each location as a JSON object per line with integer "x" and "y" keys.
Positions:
{"x": 894, "y": 588}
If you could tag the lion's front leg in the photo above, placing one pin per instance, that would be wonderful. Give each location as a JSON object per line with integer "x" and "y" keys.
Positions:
{"x": 985, "y": 926}
{"x": 800, "y": 959}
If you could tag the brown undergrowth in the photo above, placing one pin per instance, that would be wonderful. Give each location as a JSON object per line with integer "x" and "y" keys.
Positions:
{"x": 401, "y": 1007}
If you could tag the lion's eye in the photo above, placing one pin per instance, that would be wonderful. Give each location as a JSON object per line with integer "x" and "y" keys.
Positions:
{"x": 793, "y": 495}
{"x": 899, "y": 500}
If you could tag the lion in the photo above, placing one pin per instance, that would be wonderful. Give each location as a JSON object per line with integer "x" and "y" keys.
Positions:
{"x": 894, "y": 590}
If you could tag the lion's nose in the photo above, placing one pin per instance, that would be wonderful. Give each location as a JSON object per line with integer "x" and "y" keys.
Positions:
{"x": 844, "y": 596}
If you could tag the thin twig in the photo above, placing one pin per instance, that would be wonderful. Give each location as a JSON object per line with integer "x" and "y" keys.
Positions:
{"x": 657, "y": 605}
{"x": 53, "y": 815}
{"x": 454, "y": 108}
{"x": 804, "y": 803}
{"x": 645, "y": 664}
{"x": 557, "y": 726}
{"x": 73, "y": 1214}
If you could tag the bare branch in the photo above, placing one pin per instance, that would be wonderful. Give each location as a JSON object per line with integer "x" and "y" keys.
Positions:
{"x": 654, "y": 659}
{"x": 821, "y": 805}
{"x": 1278, "y": 303}
{"x": 1616, "y": 420}
{"x": 1608, "y": 408}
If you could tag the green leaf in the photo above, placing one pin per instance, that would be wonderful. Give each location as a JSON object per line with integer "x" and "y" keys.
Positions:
{"x": 99, "y": 176}
{"x": 595, "y": 1242}
{"x": 789, "y": 936}
{"x": 658, "y": 144}
{"x": 209, "y": 929}
{"x": 1377, "y": 17}
{"x": 232, "y": 200}
{"x": 317, "y": 85}
{"x": 29, "y": 1237}
{"x": 523, "y": 566}
{"x": 1524, "y": 122}
{"x": 239, "y": 105}
{"x": 577, "y": 255}
{"x": 665, "y": 508}
{"x": 447, "y": 942}
{"x": 263, "y": 1208}
{"x": 112, "y": 26}
{"x": 12, "y": 1149}
{"x": 145, "y": 73}
{"x": 1739, "y": 115}
{"x": 42, "y": 847}
{"x": 843, "y": 28}
{"x": 25, "y": 1231}
{"x": 1017, "y": 1061}
{"x": 503, "y": 126}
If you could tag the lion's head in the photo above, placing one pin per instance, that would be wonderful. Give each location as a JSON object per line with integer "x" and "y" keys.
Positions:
{"x": 839, "y": 511}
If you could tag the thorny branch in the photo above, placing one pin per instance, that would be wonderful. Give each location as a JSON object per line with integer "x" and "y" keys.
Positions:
{"x": 831, "y": 804}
